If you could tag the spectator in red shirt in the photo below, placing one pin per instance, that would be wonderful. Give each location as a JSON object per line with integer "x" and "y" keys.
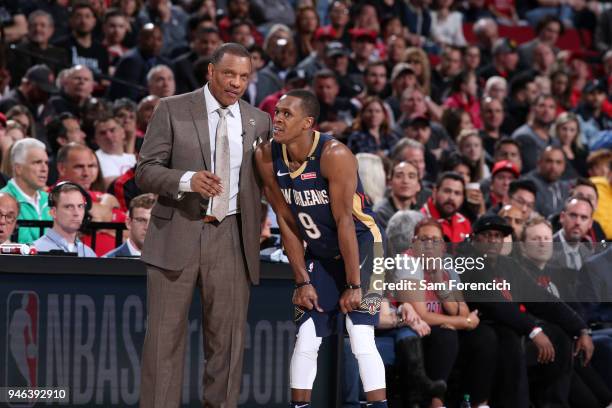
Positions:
{"x": 444, "y": 204}
{"x": 464, "y": 91}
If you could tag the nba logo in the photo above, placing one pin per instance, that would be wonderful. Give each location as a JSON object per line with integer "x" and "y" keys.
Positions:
{"x": 22, "y": 340}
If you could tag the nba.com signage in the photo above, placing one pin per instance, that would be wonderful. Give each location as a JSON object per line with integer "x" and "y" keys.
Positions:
{"x": 85, "y": 334}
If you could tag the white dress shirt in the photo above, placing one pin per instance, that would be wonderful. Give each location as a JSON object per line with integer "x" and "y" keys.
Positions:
{"x": 234, "y": 131}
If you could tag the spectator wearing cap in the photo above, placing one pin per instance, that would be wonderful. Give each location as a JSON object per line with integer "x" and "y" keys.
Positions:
{"x": 363, "y": 44}
{"x": 444, "y": 204}
{"x": 492, "y": 119}
{"x": 84, "y": 49}
{"x": 337, "y": 113}
{"x": 134, "y": 66}
{"x": 552, "y": 190}
{"x": 505, "y": 60}
{"x": 36, "y": 49}
{"x": 536, "y": 337}
{"x": 203, "y": 42}
{"x": 447, "y": 25}
{"x": 371, "y": 129}
{"x": 534, "y": 136}
{"x": 548, "y": 31}
{"x": 9, "y": 212}
{"x": 337, "y": 60}
{"x": 404, "y": 187}
{"x": 402, "y": 78}
{"x": 295, "y": 79}
{"x": 282, "y": 53}
{"x": 171, "y": 20}
{"x": 136, "y": 222}
{"x": 33, "y": 91}
{"x": 504, "y": 172}
{"x": 591, "y": 111}
{"x": 316, "y": 61}
{"x": 76, "y": 91}
{"x": 30, "y": 170}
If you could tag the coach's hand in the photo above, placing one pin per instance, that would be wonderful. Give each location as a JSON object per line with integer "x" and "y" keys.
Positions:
{"x": 307, "y": 297}
{"x": 350, "y": 300}
{"x": 206, "y": 183}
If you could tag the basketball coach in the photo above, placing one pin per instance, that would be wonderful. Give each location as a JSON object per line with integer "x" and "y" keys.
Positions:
{"x": 204, "y": 231}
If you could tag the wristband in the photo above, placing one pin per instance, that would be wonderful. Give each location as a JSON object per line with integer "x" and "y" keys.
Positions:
{"x": 351, "y": 286}
{"x": 536, "y": 330}
{"x": 302, "y": 284}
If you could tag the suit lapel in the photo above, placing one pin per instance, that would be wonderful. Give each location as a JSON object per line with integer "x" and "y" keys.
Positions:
{"x": 248, "y": 126}
{"x": 200, "y": 120}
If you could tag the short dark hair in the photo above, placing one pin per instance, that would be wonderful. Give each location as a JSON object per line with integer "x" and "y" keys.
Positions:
{"x": 81, "y": 4}
{"x": 124, "y": 103}
{"x": 505, "y": 141}
{"x": 325, "y": 74}
{"x": 583, "y": 181}
{"x": 522, "y": 185}
{"x": 55, "y": 129}
{"x": 450, "y": 175}
{"x": 520, "y": 81}
{"x": 113, "y": 12}
{"x": 549, "y": 18}
{"x": 55, "y": 193}
{"x": 202, "y": 31}
{"x": 229, "y": 48}
{"x": 373, "y": 64}
{"x": 310, "y": 103}
{"x": 146, "y": 201}
{"x": 237, "y": 22}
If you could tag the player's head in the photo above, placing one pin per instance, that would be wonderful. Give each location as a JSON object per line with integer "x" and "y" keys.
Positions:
{"x": 295, "y": 114}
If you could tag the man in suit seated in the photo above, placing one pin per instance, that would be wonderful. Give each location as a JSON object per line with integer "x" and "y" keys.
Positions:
{"x": 136, "y": 222}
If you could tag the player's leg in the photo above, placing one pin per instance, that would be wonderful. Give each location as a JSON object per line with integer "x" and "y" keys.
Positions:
{"x": 371, "y": 367}
{"x": 303, "y": 368}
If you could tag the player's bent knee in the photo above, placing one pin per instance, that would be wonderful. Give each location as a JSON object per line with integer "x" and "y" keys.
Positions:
{"x": 371, "y": 366}
{"x": 303, "y": 368}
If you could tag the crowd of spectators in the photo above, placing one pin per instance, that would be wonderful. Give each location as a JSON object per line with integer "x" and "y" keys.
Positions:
{"x": 490, "y": 119}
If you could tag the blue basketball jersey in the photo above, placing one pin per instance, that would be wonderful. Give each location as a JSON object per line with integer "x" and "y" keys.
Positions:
{"x": 307, "y": 194}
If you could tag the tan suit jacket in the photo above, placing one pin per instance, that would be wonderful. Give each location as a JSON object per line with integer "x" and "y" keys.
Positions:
{"x": 177, "y": 140}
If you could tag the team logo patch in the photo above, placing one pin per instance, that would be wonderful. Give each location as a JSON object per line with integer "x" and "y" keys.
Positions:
{"x": 370, "y": 304}
{"x": 308, "y": 176}
{"x": 298, "y": 312}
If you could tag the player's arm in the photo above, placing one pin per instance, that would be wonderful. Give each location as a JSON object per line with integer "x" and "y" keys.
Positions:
{"x": 294, "y": 246}
{"x": 339, "y": 167}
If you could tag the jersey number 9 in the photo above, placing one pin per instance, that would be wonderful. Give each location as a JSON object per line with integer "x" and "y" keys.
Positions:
{"x": 309, "y": 226}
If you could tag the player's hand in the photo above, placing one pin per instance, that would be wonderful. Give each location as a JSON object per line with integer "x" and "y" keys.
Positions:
{"x": 350, "y": 300}
{"x": 206, "y": 183}
{"x": 306, "y": 296}
{"x": 546, "y": 350}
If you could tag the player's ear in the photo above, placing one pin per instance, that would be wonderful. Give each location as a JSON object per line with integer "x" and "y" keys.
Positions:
{"x": 308, "y": 122}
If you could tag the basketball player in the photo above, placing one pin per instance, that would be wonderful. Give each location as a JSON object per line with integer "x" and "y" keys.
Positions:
{"x": 311, "y": 181}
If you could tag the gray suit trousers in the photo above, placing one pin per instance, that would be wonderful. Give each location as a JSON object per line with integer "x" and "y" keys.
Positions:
{"x": 219, "y": 268}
